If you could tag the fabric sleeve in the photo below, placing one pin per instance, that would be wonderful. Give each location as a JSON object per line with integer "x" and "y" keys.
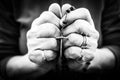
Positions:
{"x": 9, "y": 35}
{"x": 110, "y": 28}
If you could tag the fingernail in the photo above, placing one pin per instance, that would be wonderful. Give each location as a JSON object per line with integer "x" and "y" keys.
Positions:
{"x": 72, "y": 8}
{"x": 68, "y": 11}
{"x": 64, "y": 22}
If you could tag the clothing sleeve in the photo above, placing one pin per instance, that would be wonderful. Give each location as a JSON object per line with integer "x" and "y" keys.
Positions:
{"x": 110, "y": 28}
{"x": 9, "y": 35}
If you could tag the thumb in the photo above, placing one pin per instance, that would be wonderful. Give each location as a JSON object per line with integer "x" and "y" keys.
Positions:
{"x": 55, "y": 8}
{"x": 64, "y": 8}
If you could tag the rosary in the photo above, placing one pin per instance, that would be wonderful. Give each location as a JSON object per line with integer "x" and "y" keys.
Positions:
{"x": 62, "y": 37}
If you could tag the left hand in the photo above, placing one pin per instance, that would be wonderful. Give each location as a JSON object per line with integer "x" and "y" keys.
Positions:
{"x": 81, "y": 45}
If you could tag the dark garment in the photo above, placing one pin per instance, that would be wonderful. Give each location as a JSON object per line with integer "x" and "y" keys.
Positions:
{"x": 16, "y": 13}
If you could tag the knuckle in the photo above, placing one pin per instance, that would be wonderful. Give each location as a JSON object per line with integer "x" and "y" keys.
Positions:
{"x": 75, "y": 39}
{"x": 43, "y": 43}
{"x": 67, "y": 53}
{"x": 49, "y": 44}
{"x": 95, "y": 34}
{"x": 81, "y": 25}
{"x": 71, "y": 35}
{"x": 92, "y": 43}
{"x": 96, "y": 44}
{"x": 54, "y": 28}
{"x": 88, "y": 53}
{"x": 85, "y": 10}
{"x": 47, "y": 15}
{"x": 72, "y": 52}
{"x": 88, "y": 57}
{"x": 36, "y": 56}
{"x": 51, "y": 29}
{"x": 44, "y": 30}
{"x": 80, "y": 21}
{"x": 53, "y": 43}
{"x": 31, "y": 44}
{"x": 50, "y": 55}
{"x": 29, "y": 34}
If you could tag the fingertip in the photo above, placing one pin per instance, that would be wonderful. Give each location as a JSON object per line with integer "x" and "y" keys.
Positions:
{"x": 64, "y": 8}
{"x": 49, "y": 55}
{"x": 36, "y": 56}
{"x": 55, "y": 8}
{"x": 72, "y": 52}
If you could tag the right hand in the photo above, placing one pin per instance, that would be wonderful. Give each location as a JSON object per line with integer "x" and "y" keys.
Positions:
{"x": 41, "y": 41}
{"x": 81, "y": 45}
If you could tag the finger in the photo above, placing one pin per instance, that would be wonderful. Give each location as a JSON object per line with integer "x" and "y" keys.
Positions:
{"x": 64, "y": 8}
{"x": 37, "y": 56}
{"x": 42, "y": 44}
{"x": 55, "y": 8}
{"x": 49, "y": 55}
{"x": 72, "y": 52}
{"x": 81, "y": 13}
{"x": 77, "y": 40}
{"x": 43, "y": 31}
{"x": 83, "y": 64}
{"x": 46, "y": 17}
{"x": 95, "y": 64}
{"x": 81, "y": 27}
{"x": 87, "y": 55}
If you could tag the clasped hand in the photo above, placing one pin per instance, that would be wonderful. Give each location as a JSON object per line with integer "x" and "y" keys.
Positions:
{"x": 78, "y": 27}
